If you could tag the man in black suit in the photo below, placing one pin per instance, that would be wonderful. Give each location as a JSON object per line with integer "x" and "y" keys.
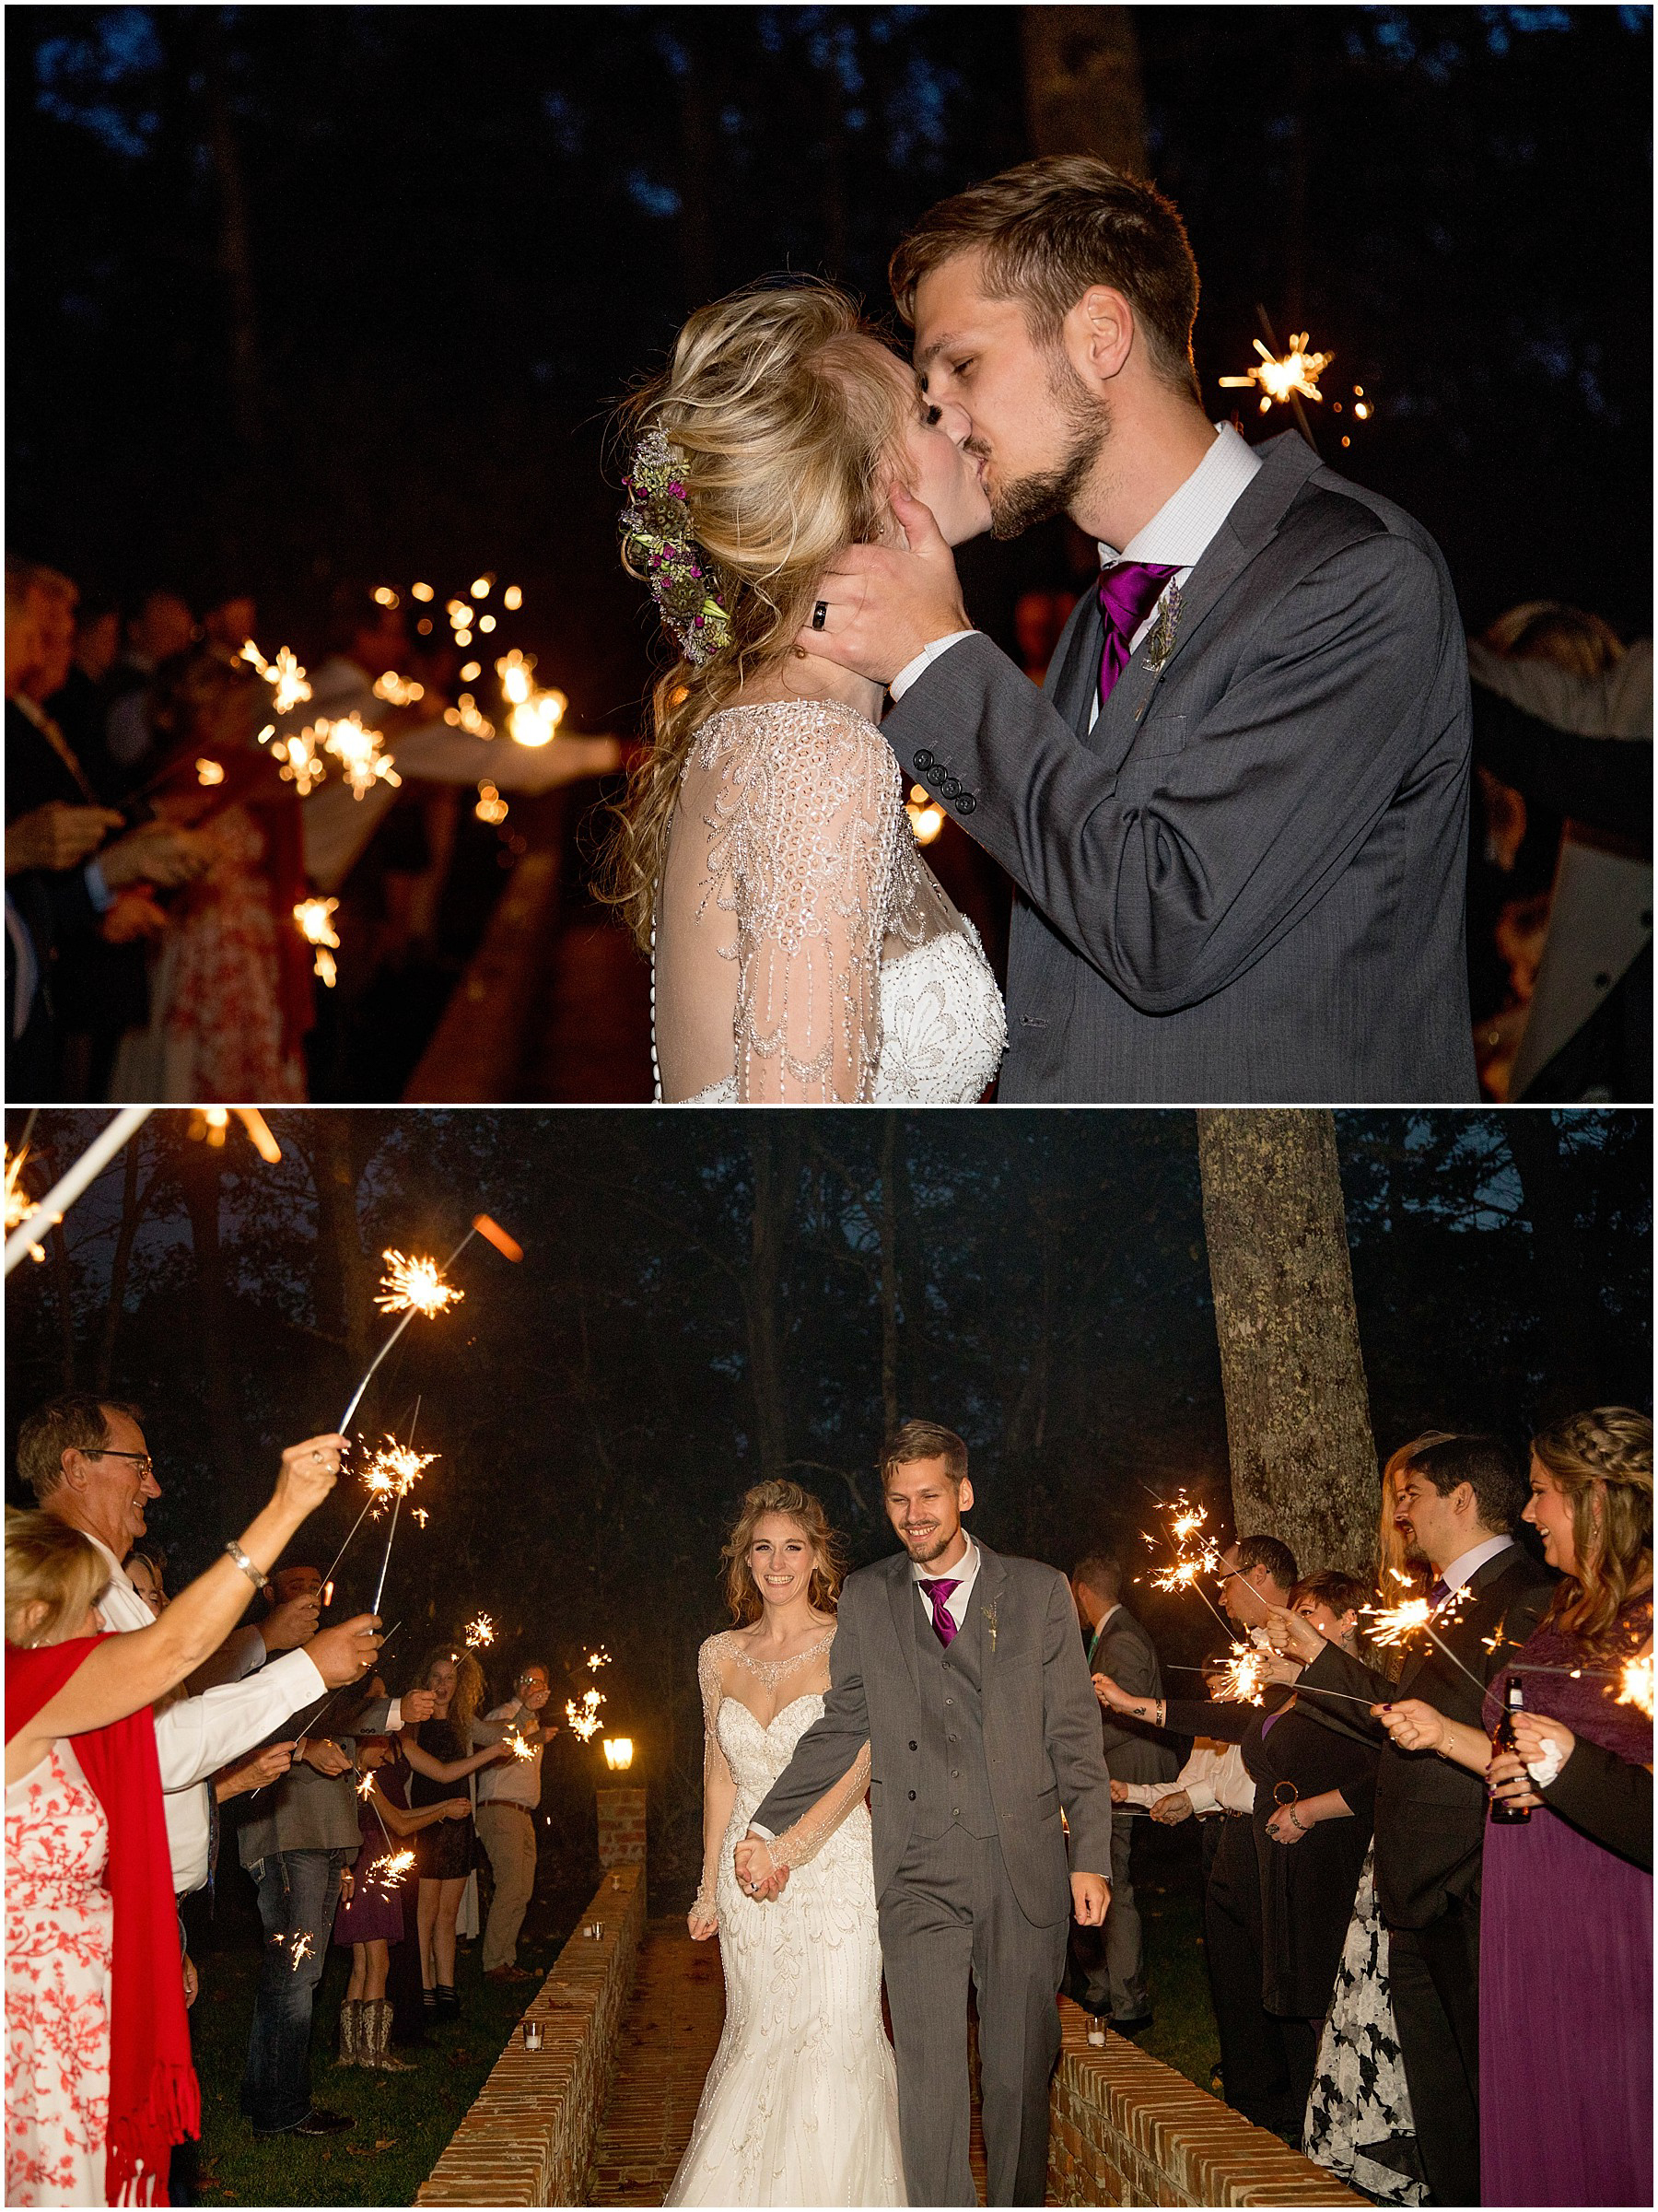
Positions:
{"x": 1108, "y": 1965}
{"x": 1458, "y": 1503}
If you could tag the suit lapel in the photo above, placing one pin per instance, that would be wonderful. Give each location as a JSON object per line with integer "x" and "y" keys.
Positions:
{"x": 901, "y": 1592}
{"x": 1076, "y": 664}
{"x": 986, "y": 1596}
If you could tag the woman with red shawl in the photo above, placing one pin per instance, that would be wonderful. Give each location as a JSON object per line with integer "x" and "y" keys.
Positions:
{"x": 98, "y": 2081}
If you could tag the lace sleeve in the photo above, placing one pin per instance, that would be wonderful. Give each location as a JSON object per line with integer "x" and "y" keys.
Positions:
{"x": 815, "y": 816}
{"x": 707, "y": 1675}
{"x": 796, "y": 1845}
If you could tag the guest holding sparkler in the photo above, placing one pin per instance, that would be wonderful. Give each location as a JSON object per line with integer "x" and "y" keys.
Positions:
{"x": 100, "y": 2084}
{"x": 370, "y": 1917}
{"x": 1458, "y": 1499}
{"x": 1566, "y": 2114}
{"x": 508, "y": 1797}
{"x": 440, "y": 1750}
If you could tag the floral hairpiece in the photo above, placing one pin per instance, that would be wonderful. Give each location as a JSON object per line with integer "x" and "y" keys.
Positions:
{"x": 659, "y": 544}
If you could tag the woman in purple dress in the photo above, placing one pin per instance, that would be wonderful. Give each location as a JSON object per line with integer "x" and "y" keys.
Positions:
{"x": 1566, "y": 1918}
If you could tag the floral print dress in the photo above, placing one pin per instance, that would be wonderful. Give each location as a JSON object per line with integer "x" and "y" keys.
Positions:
{"x": 58, "y": 1929}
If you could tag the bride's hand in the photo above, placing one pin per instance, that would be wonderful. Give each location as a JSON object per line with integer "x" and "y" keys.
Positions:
{"x": 703, "y": 1922}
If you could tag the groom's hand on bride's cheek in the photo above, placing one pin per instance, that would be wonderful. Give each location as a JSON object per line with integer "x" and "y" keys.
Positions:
{"x": 883, "y": 603}
{"x": 1090, "y": 1899}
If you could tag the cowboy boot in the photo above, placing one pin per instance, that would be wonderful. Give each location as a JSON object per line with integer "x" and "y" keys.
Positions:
{"x": 351, "y": 2033}
{"x": 377, "y": 2024}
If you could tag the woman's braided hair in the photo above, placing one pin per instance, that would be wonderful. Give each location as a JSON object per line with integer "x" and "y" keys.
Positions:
{"x": 1603, "y": 1462}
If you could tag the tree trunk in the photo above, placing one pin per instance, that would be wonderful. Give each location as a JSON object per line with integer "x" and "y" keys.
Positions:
{"x": 1082, "y": 84}
{"x": 200, "y": 1173}
{"x": 775, "y": 1148}
{"x": 891, "y": 1167}
{"x": 1304, "y": 1462}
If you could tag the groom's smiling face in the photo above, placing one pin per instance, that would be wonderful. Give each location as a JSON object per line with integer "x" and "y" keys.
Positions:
{"x": 1037, "y": 427}
{"x": 926, "y": 1507}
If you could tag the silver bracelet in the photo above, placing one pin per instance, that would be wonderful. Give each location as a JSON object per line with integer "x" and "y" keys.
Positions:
{"x": 254, "y": 1574}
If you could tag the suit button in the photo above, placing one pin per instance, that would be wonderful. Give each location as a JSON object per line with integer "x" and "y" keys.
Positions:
{"x": 911, "y": 1797}
{"x": 955, "y": 1774}
{"x": 966, "y": 803}
{"x": 949, "y": 788}
{"x": 923, "y": 759}
{"x": 913, "y": 1745}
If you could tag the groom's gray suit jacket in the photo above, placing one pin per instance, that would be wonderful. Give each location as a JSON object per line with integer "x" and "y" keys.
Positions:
{"x": 1035, "y": 1714}
{"x": 1246, "y": 882}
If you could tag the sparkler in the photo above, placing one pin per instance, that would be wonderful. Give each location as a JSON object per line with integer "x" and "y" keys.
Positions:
{"x": 299, "y": 764}
{"x": 390, "y": 1870}
{"x": 18, "y": 1204}
{"x": 396, "y": 690}
{"x": 209, "y": 772}
{"x": 480, "y": 1632}
{"x": 396, "y": 1470}
{"x": 413, "y": 1285}
{"x": 926, "y": 819}
{"x": 304, "y": 1944}
{"x": 315, "y": 918}
{"x": 359, "y": 752}
{"x": 1195, "y": 1554}
{"x": 595, "y": 1659}
{"x": 465, "y": 715}
{"x": 1635, "y": 1680}
{"x": 521, "y": 1749}
{"x": 1395, "y": 1623}
{"x": 1244, "y": 1676}
{"x": 1281, "y": 377}
{"x": 397, "y": 1291}
{"x": 392, "y": 1465}
{"x": 583, "y": 1718}
{"x": 491, "y": 806}
{"x": 285, "y": 675}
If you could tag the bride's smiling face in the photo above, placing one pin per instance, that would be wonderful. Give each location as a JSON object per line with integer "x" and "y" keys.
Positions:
{"x": 780, "y": 1559}
{"x": 943, "y": 476}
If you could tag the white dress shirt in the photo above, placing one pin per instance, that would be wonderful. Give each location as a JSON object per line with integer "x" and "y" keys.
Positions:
{"x": 513, "y": 1781}
{"x": 1214, "y": 1777}
{"x": 1180, "y": 532}
{"x": 196, "y": 1735}
{"x": 1467, "y": 1565}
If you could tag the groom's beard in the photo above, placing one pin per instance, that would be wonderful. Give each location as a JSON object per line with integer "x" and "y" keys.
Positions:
{"x": 1020, "y": 506}
{"x": 924, "y": 1550}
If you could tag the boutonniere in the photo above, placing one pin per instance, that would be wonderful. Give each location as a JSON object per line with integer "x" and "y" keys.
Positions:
{"x": 991, "y": 1623}
{"x": 1160, "y": 643}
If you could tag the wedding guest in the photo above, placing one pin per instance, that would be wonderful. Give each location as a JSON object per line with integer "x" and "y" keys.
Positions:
{"x": 160, "y": 624}
{"x": 1566, "y": 2114}
{"x": 370, "y": 1919}
{"x": 1458, "y": 1499}
{"x": 1256, "y": 2061}
{"x": 508, "y": 1796}
{"x": 100, "y": 2084}
{"x": 440, "y": 1750}
{"x": 293, "y": 1597}
{"x": 1108, "y": 1965}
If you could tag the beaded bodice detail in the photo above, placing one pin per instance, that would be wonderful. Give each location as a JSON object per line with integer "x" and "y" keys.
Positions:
{"x": 804, "y": 950}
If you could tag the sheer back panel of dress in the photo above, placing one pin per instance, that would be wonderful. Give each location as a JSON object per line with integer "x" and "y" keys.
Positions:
{"x": 791, "y": 874}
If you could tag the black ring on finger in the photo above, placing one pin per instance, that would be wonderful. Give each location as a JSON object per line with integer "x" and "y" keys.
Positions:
{"x": 820, "y": 615}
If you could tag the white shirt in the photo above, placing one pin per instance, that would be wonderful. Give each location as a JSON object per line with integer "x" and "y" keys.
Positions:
{"x": 965, "y": 1573}
{"x": 196, "y": 1735}
{"x": 1214, "y": 1777}
{"x": 1463, "y": 1568}
{"x": 512, "y": 1781}
{"x": 1180, "y": 532}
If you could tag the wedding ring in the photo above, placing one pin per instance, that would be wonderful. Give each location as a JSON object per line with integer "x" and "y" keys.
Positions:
{"x": 820, "y": 615}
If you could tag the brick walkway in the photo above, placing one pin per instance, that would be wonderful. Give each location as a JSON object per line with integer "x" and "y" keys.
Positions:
{"x": 669, "y": 2035}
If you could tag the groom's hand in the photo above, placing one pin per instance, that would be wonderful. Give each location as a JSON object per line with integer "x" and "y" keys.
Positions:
{"x": 885, "y": 602}
{"x": 1090, "y": 1899}
{"x": 756, "y": 1876}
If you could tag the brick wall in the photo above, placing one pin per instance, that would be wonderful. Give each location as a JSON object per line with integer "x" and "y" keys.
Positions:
{"x": 1128, "y": 2130}
{"x": 529, "y": 2138}
{"x": 621, "y": 1826}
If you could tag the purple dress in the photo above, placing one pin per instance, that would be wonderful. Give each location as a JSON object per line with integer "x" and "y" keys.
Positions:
{"x": 1566, "y": 1967}
{"x": 375, "y": 1913}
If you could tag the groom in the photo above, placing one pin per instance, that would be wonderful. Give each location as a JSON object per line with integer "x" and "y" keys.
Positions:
{"x": 1237, "y": 810}
{"x": 963, "y": 1672}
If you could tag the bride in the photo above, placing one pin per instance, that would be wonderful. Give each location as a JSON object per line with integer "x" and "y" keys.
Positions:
{"x": 801, "y": 947}
{"x": 801, "y": 2106}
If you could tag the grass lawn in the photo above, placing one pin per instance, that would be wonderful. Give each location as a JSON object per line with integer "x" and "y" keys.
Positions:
{"x": 403, "y": 2120}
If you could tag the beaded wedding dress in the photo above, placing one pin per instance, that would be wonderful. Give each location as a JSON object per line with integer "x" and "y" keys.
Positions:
{"x": 801, "y": 2105}
{"x": 804, "y": 950}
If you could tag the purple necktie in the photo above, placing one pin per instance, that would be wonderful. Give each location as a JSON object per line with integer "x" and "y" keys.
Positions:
{"x": 938, "y": 1595}
{"x": 1438, "y": 1592}
{"x": 1128, "y": 592}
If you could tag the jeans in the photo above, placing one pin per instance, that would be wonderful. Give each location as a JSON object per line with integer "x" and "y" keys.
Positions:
{"x": 297, "y": 1891}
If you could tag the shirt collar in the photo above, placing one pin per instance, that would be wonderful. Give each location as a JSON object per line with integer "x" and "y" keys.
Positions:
{"x": 1463, "y": 1568}
{"x": 966, "y": 1568}
{"x": 1180, "y": 531}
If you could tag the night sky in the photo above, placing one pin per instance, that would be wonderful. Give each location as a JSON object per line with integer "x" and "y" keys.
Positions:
{"x": 598, "y": 1410}
{"x": 304, "y": 292}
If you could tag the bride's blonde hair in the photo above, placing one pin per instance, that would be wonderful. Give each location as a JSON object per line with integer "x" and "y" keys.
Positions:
{"x": 787, "y": 432}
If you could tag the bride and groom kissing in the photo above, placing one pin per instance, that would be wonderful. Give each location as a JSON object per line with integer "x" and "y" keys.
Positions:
{"x": 1235, "y": 813}
{"x": 945, "y": 1685}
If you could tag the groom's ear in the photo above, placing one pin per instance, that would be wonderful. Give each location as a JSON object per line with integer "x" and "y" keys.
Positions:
{"x": 964, "y": 1496}
{"x": 1099, "y": 335}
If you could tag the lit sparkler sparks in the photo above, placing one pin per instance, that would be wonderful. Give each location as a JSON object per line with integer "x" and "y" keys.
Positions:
{"x": 1244, "y": 1676}
{"x": 365, "y": 1788}
{"x": 535, "y": 714}
{"x": 1280, "y": 377}
{"x": 315, "y": 916}
{"x": 394, "y": 1472}
{"x": 480, "y": 1632}
{"x": 1635, "y": 1683}
{"x": 398, "y": 691}
{"x": 360, "y": 752}
{"x": 18, "y": 1204}
{"x": 491, "y": 806}
{"x": 390, "y": 1870}
{"x": 466, "y": 715}
{"x": 304, "y": 1944}
{"x": 421, "y": 1514}
{"x": 297, "y": 757}
{"x": 414, "y": 1286}
{"x": 583, "y": 1718}
{"x": 1395, "y": 1623}
{"x": 208, "y": 773}
{"x": 926, "y": 819}
{"x": 521, "y": 1749}
{"x": 595, "y": 1659}
{"x": 285, "y": 675}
